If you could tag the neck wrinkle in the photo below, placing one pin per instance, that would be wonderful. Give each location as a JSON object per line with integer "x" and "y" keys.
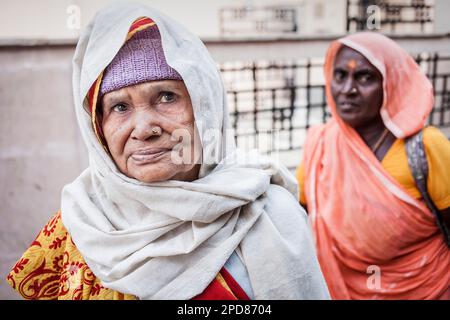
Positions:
{"x": 371, "y": 131}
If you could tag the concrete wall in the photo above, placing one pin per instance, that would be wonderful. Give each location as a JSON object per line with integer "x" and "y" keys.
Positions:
{"x": 441, "y": 17}
{"x": 40, "y": 145}
{"x": 54, "y": 19}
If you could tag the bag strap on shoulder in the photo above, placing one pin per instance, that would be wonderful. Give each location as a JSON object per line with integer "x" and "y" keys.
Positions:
{"x": 418, "y": 165}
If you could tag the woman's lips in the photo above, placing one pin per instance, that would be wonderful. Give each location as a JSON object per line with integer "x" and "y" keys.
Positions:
{"x": 145, "y": 156}
{"x": 348, "y": 106}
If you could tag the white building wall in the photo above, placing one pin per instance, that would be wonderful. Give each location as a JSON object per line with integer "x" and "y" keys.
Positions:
{"x": 47, "y": 19}
{"x": 56, "y": 19}
{"x": 442, "y": 16}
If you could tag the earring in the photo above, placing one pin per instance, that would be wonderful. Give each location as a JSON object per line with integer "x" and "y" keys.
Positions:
{"x": 156, "y": 130}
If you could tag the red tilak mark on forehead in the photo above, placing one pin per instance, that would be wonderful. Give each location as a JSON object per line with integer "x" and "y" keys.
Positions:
{"x": 352, "y": 64}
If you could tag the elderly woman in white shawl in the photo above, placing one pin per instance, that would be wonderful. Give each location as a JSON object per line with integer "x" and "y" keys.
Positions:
{"x": 168, "y": 208}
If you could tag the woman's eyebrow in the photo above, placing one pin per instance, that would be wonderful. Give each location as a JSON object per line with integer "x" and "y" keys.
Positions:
{"x": 341, "y": 64}
{"x": 365, "y": 70}
{"x": 115, "y": 97}
{"x": 162, "y": 87}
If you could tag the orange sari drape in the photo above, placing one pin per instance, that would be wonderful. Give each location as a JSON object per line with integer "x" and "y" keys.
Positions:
{"x": 374, "y": 240}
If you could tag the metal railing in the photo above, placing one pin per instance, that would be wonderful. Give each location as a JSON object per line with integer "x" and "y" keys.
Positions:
{"x": 279, "y": 98}
{"x": 272, "y": 104}
{"x": 411, "y": 15}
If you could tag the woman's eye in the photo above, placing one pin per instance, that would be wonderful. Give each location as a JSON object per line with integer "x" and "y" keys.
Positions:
{"x": 120, "y": 108}
{"x": 167, "y": 97}
{"x": 339, "y": 74}
{"x": 363, "y": 78}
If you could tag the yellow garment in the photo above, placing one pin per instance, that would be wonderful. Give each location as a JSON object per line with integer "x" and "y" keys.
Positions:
{"x": 395, "y": 162}
{"x": 53, "y": 268}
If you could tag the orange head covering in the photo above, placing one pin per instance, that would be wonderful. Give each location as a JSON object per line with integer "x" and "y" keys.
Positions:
{"x": 363, "y": 220}
{"x": 408, "y": 94}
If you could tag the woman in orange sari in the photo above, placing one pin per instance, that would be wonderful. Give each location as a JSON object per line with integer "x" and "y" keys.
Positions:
{"x": 374, "y": 236}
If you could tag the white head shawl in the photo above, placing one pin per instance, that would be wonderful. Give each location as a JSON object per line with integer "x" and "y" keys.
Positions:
{"x": 168, "y": 240}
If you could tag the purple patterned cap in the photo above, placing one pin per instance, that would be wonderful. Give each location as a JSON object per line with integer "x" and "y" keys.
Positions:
{"x": 140, "y": 59}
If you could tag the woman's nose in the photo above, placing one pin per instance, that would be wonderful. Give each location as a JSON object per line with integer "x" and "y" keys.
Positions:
{"x": 145, "y": 125}
{"x": 349, "y": 87}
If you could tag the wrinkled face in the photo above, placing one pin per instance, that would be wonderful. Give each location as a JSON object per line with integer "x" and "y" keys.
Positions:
{"x": 149, "y": 129}
{"x": 357, "y": 88}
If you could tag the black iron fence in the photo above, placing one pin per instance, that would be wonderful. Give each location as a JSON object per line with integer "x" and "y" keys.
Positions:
{"x": 275, "y": 102}
{"x": 272, "y": 104}
{"x": 393, "y": 15}
{"x": 437, "y": 69}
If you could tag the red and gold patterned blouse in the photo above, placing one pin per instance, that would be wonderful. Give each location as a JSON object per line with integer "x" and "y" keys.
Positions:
{"x": 53, "y": 268}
